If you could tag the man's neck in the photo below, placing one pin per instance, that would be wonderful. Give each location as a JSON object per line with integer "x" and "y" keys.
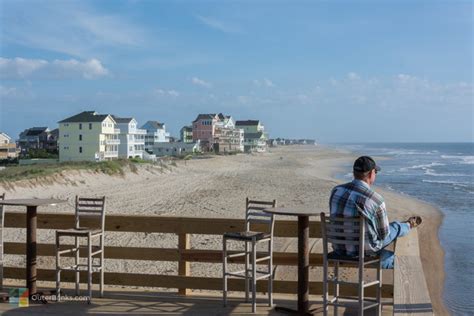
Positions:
{"x": 364, "y": 180}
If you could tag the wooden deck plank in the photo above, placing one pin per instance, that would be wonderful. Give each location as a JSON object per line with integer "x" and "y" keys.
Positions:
{"x": 411, "y": 295}
{"x": 139, "y": 302}
{"x": 189, "y": 282}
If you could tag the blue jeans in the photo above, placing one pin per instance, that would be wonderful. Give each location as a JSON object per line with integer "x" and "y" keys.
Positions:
{"x": 397, "y": 229}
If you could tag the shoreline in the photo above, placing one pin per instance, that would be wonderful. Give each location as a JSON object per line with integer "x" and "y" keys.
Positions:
{"x": 431, "y": 252}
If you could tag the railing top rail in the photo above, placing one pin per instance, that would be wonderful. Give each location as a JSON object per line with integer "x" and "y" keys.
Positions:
{"x": 162, "y": 224}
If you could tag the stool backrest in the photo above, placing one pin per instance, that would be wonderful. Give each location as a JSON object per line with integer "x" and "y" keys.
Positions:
{"x": 91, "y": 208}
{"x": 254, "y": 214}
{"x": 343, "y": 231}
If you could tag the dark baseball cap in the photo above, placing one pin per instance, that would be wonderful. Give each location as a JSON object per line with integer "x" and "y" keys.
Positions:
{"x": 365, "y": 164}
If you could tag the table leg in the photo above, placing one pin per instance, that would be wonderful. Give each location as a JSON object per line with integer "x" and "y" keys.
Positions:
{"x": 31, "y": 222}
{"x": 303, "y": 264}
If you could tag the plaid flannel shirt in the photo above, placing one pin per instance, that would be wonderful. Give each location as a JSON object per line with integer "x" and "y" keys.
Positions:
{"x": 343, "y": 203}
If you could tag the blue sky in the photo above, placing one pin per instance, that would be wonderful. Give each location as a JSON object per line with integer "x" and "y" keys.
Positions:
{"x": 339, "y": 71}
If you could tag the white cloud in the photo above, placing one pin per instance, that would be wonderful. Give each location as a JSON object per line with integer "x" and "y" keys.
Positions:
{"x": 353, "y": 76}
{"x": 72, "y": 28}
{"x": 200, "y": 82}
{"x": 172, "y": 93}
{"x": 7, "y": 91}
{"x": 264, "y": 82}
{"x": 218, "y": 25}
{"x": 243, "y": 99}
{"x": 268, "y": 83}
{"x": 21, "y": 68}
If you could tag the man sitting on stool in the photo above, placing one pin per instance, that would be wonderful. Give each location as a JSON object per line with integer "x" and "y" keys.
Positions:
{"x": 356, "y": 198}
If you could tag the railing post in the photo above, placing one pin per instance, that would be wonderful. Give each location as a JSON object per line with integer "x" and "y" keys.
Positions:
{"x": 183, "y": 266}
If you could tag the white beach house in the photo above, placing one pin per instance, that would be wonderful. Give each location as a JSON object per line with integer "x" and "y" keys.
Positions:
{"x": 132, "y": 139}
{"x": 155, "y": 133}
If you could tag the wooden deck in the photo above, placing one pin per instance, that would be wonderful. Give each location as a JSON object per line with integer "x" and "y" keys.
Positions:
{"x": 409, "y": 293}
{"x": 119, "y": 302}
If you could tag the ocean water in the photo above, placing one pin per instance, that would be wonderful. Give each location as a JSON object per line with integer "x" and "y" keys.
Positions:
{"x": 441, "y": 174}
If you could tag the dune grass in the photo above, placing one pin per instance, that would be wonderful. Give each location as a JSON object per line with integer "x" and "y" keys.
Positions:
{"x": 112, "y": 167}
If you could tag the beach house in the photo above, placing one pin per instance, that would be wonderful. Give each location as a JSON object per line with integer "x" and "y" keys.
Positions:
{"x": 186, "y": 134}
{"x": 155, "y": 133}
{"x": 8, "y": 150}
{"x": 132, "y": 138}
{"x": 38, "y": 138}
{"x": 204, "y": 130}
{"x": 217, "y": 132}
{"x": 176, "y": 149}
{"x": 227, "y": 137}
{"x": 88, "y": 136}
{"x": 255, "y": 138}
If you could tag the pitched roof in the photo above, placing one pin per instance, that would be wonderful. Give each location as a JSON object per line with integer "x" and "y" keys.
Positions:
{"x": 247, "y": 123}
{"x": 205, "y": 116}
{"x": 122, "y": 119}
{"x": 86, "y": 116}
{"x": 153, "y": 124}
{"x": 5, "y": 135}
{"x": 35, "y": 131}
{"x": 187, "y": 128}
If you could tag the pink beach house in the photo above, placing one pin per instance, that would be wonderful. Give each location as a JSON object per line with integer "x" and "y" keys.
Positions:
{"x": 204, "y": 129}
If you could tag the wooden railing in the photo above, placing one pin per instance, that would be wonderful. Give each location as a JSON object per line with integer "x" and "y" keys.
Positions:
{"x": 183, "y": 227}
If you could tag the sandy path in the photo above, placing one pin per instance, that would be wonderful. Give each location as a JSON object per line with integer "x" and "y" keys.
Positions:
{"x": 217, "y": 187}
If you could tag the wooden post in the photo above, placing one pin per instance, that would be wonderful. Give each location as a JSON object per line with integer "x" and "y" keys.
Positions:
{"x": 303, "y": 264}
{"x": 184, "y": 268}
{"x": 31, "y": 226}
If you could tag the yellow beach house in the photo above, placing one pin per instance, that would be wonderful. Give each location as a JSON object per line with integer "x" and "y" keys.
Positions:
{"x": 88, "y": 136}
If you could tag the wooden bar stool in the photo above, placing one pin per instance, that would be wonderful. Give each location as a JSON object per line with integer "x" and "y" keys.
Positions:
{"x": 94, "y": 210}
{"x": 253, "y": 215}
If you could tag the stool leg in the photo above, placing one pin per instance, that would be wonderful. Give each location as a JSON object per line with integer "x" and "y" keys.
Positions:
{"x": 58, "y": 270}
{"x": 254, "y": 277}
{"x": 336, "y": 286}
{"x": 89, "y": 267}
{"x": 246, "y": 271}
{"x": 101, "y": 285}
{"x": 379, "y": 289}
{"x": 224, "y": 270}
{"x": 270, "y": 272}
{"x": 76, "y": 244}
{"x": 325, "y": 286}
{"x": 361, "y": 288}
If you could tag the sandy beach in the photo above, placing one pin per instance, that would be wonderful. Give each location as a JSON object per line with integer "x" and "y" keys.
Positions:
{"x": 217, "y": 187}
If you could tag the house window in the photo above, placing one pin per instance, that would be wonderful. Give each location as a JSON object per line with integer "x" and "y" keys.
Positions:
{"x": 80, "y": 150}
{"x": 90, "y": 125}
{"x": 80, "y": 137}
{"x": 80, "y": 125}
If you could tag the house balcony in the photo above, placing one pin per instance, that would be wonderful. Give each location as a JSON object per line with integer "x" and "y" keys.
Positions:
{"x": 112, "y": 141}
{"x": 110, "y": 154}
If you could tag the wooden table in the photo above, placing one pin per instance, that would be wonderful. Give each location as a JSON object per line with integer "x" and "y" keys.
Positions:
{"x": 31, "y": 224}
{"x": 303, "y": 215}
